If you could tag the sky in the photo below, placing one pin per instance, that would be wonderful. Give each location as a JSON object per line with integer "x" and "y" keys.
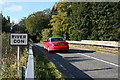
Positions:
{"x": 18, "y": 10}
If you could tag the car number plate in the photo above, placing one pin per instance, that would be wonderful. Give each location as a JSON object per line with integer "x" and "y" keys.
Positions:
{"x": 60, "y": 44}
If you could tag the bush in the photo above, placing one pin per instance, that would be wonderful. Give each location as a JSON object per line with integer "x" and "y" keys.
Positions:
{"x": 46, "y": 33}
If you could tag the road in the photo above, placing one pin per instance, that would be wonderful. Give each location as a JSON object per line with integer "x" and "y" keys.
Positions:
{"x": 82, "y": 63}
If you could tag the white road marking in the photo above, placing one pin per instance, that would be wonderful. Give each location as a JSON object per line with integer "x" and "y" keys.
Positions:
{"x": 100, "y": 60}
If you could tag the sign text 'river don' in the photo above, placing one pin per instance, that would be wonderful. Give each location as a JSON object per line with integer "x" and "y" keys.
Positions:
{"x": 18, "y": 39}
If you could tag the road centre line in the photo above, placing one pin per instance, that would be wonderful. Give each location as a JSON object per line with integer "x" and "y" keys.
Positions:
{"x": 100, "y": 60}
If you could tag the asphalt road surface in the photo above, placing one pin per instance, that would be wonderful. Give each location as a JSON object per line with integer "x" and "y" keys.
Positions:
{"x": 82, "y": 63}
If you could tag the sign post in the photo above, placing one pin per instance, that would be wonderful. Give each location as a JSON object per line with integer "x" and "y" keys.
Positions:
{"x": 18, "y": 40}
{"x": 18, "y": 57}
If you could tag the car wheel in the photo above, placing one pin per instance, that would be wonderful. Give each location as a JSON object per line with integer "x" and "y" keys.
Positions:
{"x": 66, "y": 50}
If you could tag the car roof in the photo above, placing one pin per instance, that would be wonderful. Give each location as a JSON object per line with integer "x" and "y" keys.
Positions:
{"x": 56, "y": 37}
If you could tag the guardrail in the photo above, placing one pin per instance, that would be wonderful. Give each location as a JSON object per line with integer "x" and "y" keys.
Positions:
{"x": 28, "y": 73}
{"x": 94, "y": 44}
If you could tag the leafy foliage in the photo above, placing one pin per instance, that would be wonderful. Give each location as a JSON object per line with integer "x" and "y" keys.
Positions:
{"x": 46, "y": 33}
{"x": 6, "y": 24}
{"x": 77, "y": 21}
{"x": 36, "y": 22}
{"x": 59, "y": 21}
{"x": 86, "y": 20}
{"x": 20, "y": 27}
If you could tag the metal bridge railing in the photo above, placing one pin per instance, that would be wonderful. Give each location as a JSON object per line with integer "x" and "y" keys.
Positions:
{"x": 28, "y": 72}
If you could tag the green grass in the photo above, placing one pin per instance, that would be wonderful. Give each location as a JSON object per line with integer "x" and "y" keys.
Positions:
{"x": 45, "y": 69}
{"x": 97, "y": 48}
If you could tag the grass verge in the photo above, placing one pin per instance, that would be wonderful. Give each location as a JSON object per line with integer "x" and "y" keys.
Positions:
{"x": 97, "y": 48}
{"x": 45, "y": 69}
{"x": 10, "y": 71}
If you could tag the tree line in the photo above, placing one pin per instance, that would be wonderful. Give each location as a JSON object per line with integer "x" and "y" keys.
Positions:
{"x": 73, "y": 21}
{"x": 86, "y": 20}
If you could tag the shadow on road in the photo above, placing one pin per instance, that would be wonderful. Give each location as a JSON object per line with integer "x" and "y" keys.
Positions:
{"x": 66, "y": 67}
{"x": 96, "y": 69}
{"x": 76, "y": 59}
{"x": 80, "y": 51}
{"x": 73, "y": 51}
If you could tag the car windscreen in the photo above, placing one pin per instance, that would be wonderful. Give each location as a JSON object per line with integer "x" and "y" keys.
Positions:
{"x": 57, "y": 39}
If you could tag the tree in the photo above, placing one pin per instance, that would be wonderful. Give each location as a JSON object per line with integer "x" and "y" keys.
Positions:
{"x": 86, "y": 20}
{"x": 36, "y": 22}
{"x": 6, "y": 24}
{"x": 46, "y": 33}
{"x": 60, "y": 19}
{"x": 20, "y": 27}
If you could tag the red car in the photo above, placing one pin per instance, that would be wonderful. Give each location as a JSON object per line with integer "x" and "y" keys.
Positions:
{"x": 56, "y": 43}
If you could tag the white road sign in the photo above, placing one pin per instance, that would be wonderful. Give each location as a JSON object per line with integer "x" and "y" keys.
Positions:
{"x": 18, "y": 39}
